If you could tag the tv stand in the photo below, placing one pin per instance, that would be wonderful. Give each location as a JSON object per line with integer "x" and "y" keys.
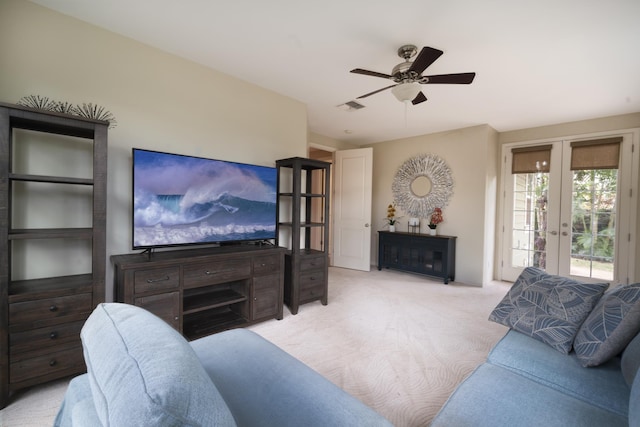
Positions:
{"x": 203, "y": 291}
{"x": 148, "y": 252}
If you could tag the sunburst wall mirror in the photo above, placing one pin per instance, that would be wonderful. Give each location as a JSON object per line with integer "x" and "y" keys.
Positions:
{"x": 422, "y": 184}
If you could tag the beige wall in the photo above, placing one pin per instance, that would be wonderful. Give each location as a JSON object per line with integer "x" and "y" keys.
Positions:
{"x": 471, "y": 154}
{"x": 602, "y": 124}
{"x": 160, "y": 101}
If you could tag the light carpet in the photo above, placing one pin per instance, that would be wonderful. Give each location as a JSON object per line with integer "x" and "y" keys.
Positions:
{"x": 399, "y": 342}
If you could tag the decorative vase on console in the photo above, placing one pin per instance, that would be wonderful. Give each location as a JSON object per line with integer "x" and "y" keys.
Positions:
{"x": 391, "y": 218}
{"x": 436, "y": 218}
{"x": 413, "y": 225}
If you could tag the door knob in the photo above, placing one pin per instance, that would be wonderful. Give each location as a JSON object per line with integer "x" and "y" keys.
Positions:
{"x": 554, "y": 233}
{"x": 366, "y": 225}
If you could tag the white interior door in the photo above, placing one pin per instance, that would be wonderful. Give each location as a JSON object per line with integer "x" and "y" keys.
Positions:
{"x": 353, "y": 171}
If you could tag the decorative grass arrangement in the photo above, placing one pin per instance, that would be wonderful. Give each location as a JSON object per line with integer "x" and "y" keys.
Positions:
{"x": 89, "y": 111}
{"x": 38, "y": 102}
{"x": 97, "y": 112}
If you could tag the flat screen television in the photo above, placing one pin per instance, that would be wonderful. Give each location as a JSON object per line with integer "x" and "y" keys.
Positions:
{"x": 185, "y": 200}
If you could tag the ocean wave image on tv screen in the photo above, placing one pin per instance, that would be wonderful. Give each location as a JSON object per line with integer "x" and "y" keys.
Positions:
{"x": 187, "y": 200}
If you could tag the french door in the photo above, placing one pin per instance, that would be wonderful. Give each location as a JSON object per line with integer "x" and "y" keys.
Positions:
{"x": 569, "y": 209}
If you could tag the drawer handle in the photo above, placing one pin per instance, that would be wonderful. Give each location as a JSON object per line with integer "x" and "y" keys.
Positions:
{"x": 163, "y": 279}
{"x": 52, "y": 362}
{"x": 53, "y": 308}
{"x": 228, "y": 270}
{"x": 53, "y": 335}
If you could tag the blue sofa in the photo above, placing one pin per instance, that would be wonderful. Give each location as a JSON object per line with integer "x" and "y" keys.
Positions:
{"x": 570, "y": 358}
{"x": 141, "y": 372}
{"x": 524, "y": 382}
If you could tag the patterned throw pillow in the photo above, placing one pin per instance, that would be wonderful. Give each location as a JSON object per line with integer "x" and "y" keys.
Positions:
{"x": 548, "y": 308}
{"x": 610, "y": 327}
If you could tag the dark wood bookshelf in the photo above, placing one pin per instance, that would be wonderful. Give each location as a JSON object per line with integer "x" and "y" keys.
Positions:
{"x": 47, "y": 306}
{"x": 301, "y": 183}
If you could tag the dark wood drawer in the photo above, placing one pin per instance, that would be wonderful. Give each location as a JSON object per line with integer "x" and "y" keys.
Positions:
{"x": 37, "y": 313}
{"x": 310, "y": 279}
{"x": 41, "y": 338}
{"x": 309, "y": 293}
{"x": 216, "y": 272}
{"x": 312, "y": 262}
{"x": 69, "y": 359}
{"x": 159, "y": 279}
{"x": 266, "y": 264}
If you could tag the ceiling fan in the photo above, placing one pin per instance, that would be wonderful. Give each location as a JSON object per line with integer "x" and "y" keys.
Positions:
{"x": 408, "y": 75}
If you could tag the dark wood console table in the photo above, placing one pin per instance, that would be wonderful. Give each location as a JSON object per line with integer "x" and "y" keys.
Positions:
{"x": 418, "y": 253}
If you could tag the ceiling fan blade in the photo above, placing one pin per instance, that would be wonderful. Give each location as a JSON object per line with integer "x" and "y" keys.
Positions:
{"x": 371, "y": 73}
{"x": 426, "y": 57}
{"x": 460, "y": 78}
{"x": 375, "y": 91}
{"x": 418, "y": 99}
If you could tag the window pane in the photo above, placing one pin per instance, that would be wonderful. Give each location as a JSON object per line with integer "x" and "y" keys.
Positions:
{"x": 593, "y": 223}
{"x": 529, "y": 220}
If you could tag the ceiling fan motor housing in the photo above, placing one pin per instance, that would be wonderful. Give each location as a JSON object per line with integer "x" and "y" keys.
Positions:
{"x": 400, "y": 72}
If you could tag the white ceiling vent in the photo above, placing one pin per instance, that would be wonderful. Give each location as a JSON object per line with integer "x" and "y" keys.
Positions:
{"x": 351, "y": 106}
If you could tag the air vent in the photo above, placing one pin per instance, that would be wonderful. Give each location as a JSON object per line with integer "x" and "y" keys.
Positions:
{"x": 351, "y": 106}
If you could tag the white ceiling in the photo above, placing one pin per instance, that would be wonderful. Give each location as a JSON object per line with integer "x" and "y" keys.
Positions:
{"x": 537, "y": 62}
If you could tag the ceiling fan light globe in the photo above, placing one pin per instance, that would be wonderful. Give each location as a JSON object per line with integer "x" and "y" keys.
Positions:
{"x": 406, "y": 91}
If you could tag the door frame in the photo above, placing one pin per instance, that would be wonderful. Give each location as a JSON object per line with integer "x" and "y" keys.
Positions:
{"x": 628, "y": 217}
